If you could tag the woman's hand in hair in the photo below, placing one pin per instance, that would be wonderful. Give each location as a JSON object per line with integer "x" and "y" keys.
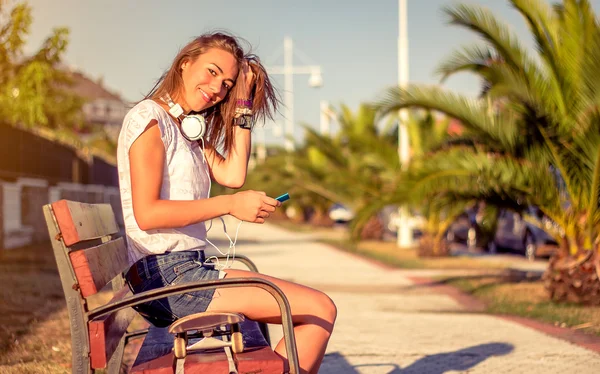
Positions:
{"x": 248, "y": 79}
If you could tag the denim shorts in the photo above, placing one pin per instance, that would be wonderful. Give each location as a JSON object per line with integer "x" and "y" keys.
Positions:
{"x": 171, "y": 268}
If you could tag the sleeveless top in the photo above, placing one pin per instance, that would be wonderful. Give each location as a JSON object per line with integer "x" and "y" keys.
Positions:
{"x": 184, "y": 177}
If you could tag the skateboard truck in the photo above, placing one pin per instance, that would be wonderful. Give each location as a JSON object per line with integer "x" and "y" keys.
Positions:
{"x": 208, "y": 325}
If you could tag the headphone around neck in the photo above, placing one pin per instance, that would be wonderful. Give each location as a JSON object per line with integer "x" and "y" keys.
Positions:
{"x": 193, "y": 126}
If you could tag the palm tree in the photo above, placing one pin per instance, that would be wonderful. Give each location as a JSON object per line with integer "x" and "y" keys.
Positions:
{"x": 427, "y": 133}
{"x": 535, "y": 134}
{"x": 353, "y": 167}
{"x": 359, "y": 166}
{"x": 276, "y": 176}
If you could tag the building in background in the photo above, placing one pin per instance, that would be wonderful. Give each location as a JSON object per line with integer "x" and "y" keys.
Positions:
{"x": 103, "y": 106}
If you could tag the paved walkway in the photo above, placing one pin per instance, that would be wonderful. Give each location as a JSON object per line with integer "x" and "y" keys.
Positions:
{"x": 388, "y": 324}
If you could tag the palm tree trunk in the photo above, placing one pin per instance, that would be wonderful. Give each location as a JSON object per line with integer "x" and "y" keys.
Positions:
{"x": 431, "y": 245}
{"x": 373, "y": 229}
{"x": 574, "y": 280}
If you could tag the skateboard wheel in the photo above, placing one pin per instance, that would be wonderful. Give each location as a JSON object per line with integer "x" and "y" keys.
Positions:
{"x": 179, "y": 346}
{"x": 237, "y": 342}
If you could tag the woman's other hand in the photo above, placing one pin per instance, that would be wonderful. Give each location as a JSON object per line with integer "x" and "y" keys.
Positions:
{"x": 252, "y": 206}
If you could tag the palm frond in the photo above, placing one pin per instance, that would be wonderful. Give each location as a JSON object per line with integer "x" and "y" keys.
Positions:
{"x": 473, "y": 58}
{"x": 473, "y": 114}
{"x": 483, "y": 22}
{"x": 544, "y": 26}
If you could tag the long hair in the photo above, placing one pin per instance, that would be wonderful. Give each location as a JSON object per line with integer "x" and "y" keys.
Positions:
{"x": 219, "y": 118}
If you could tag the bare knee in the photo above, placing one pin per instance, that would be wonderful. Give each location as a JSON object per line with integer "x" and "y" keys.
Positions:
{"x": 325, "y": 308}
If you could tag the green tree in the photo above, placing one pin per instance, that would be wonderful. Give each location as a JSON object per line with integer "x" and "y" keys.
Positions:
{"x": 34, "y": 89}
{"x": 354, "y": 167}
{"x": 276, "y": 175}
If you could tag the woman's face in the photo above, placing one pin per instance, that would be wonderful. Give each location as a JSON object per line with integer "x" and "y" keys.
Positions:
{"x": 207, "y": 80}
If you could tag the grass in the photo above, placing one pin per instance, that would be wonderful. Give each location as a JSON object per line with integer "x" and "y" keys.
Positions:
{"x": 407, "y": 258}
{"x": 387, "y": 252}
{"x": 34, "y": 324}
{"x": 527, "y": 299}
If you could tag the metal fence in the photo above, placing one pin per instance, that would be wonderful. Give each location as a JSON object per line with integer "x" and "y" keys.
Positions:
{"x": 36, "y": 170}
{"x": 24, "y": 154}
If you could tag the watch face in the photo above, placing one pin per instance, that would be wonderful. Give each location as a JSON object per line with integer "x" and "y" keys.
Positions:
{"x": 244, "y": 122}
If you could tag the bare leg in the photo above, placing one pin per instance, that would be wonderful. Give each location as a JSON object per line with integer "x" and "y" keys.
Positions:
{"x": 313, "y": 314}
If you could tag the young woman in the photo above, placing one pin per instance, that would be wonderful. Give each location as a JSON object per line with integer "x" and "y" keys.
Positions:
{"x": 165, "y": 171}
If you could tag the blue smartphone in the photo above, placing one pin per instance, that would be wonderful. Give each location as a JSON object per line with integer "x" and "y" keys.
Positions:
{"x": 283, "y": 197}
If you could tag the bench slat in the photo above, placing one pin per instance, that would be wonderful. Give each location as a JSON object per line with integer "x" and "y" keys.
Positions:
{"x": 206, "y": 362}
{"x": 258, "y": 360}
{"x": 161, "y": 365}
{"x": 79, "y": 221}
{"x": 106, "y": 332}
{"x": 96, "y": 266}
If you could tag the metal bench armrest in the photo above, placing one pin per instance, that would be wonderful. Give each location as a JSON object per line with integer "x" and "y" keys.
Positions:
{"x": 135, "y": 335}
{"x": 243, "y": 259}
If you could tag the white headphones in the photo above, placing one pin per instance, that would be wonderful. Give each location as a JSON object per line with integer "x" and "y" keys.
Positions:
{"x": 193, "y": 126}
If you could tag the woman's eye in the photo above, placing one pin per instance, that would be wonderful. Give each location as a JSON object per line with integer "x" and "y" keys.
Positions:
{"x": 212, "y": 72}
{"x": 227, "y": 87}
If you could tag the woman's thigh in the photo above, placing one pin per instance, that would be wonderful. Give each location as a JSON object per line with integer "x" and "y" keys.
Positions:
{"x": 158, "y": 271}
{"x": 307, "y": 304}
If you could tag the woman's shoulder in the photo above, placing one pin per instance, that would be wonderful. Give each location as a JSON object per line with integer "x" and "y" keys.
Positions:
{"x": 146, "y": 108}
{"x": 144, "y": 112}
{"x": 140, "y": 116}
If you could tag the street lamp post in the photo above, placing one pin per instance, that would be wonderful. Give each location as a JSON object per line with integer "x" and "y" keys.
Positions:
{"x": 289, "y": 70}
{"x": 405, "y": 234}
{"x": 327, "y": 114}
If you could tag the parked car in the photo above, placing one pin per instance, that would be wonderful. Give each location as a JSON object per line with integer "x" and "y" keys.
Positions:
{"x": 470, "y": 229}
{"x": 516, "y": 234}
{"x": 510, "y": 232}
{"x": 459, "y": 229}
{"x": 339, "y": 213}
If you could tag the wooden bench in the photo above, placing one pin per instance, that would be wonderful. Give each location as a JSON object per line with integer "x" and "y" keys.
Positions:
{"x": 91, "y": 255}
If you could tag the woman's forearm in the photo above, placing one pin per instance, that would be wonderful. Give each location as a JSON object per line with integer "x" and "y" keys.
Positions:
{"x": 231, "y": 171}
{"x": 240, "y": 154}
{"x": 164, "y": 214}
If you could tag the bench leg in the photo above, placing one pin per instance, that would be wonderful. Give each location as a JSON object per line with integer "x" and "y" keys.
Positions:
{"x": 79, "y": 334}
{"x": 114, "y": 365}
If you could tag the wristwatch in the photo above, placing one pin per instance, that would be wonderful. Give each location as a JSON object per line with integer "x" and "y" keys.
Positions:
{"x": 245, "y": 122}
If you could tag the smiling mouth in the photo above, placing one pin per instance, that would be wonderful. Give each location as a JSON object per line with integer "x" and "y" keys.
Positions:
{"x": 205, "y": 96}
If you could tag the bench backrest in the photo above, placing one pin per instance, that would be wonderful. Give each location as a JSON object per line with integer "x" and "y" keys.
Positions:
{"x": 90, "y": 254}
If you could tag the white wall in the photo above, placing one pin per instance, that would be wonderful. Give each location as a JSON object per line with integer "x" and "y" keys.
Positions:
{"x": 17, "y": 234}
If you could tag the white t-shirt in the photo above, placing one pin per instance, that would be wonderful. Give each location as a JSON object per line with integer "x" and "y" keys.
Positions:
{"x": 185, "y": 177}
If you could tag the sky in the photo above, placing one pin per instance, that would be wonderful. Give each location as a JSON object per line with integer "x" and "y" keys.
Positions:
{"x": 129, "y": 43}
